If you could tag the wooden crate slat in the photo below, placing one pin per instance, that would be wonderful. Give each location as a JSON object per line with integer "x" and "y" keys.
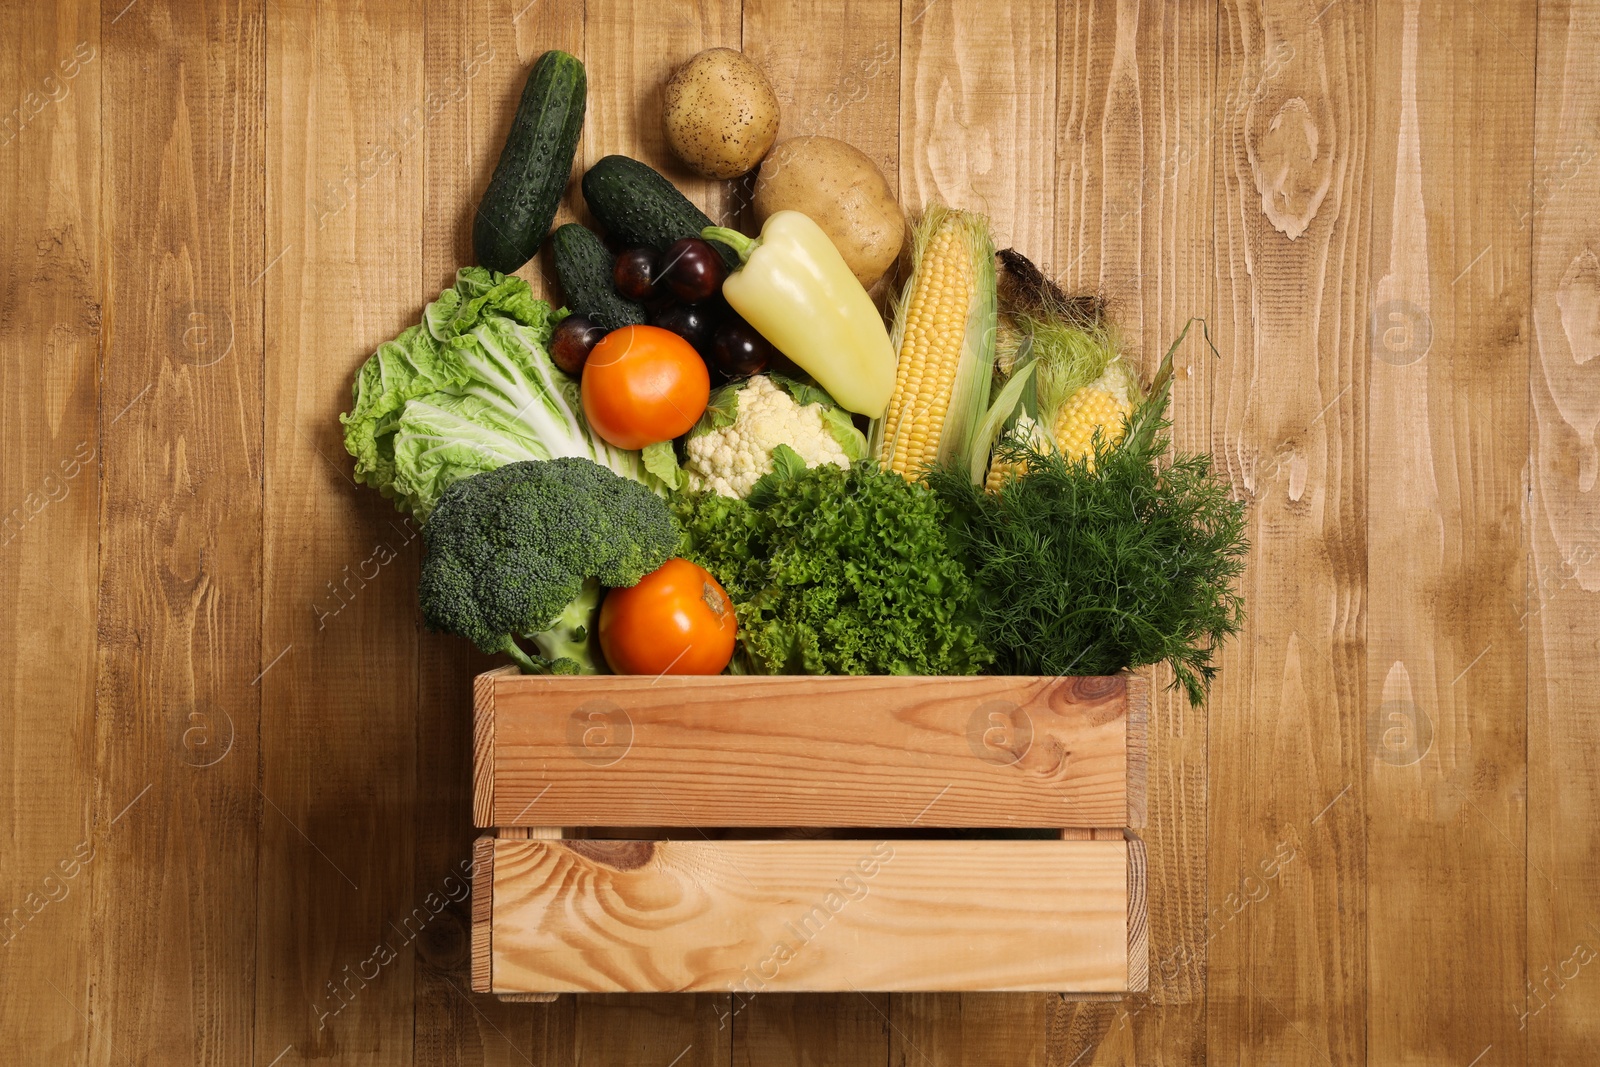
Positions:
{"x": 808, "y": 751}
{"x": 793, "y": 916}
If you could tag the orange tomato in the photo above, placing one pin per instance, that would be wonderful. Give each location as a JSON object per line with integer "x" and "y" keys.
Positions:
{"x": 643, "y": 384}
{"x": 677, "y": 620}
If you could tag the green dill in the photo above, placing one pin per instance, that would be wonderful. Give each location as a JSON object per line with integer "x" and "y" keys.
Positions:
{"x": 1088, "y": 567}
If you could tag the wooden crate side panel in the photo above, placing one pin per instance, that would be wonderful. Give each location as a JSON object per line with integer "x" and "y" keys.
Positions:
{"x": 1138, "y": 920}
{"x": 483, "y": 690}
{"x": 794, "y": 916}
{"x": 482, "y": 913}
{"x": 982, "y": 751}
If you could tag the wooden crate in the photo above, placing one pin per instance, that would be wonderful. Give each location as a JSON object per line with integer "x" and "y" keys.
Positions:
{"x": 877, "y": 904}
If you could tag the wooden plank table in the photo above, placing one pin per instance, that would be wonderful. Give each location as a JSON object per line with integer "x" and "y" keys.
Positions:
{"x": 235, "y": 810}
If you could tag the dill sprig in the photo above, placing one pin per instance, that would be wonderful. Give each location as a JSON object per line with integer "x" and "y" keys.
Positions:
{"x": 1089, "y": 567}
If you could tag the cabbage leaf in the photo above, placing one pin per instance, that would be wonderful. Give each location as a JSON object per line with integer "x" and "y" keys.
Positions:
{"x": 469, "y": 389}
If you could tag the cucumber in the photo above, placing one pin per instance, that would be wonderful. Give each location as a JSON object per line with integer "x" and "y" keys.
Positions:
{"x": 638, "y": 206}
{"x": 583, "y": 266}
{"x": 516, "y": 211}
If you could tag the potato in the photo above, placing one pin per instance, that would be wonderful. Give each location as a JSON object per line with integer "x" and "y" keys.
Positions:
{"x": 844, "y": 192}
{"x": 721, "y": 114}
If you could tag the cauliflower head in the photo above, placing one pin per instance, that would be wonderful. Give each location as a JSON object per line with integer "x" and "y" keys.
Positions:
{"x": 733, "y": 445}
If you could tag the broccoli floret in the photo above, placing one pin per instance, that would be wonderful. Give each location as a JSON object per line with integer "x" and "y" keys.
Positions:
{"x": 524, "y": 550}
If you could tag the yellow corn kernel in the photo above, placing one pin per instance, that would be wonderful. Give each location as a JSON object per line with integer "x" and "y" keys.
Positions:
{"x": 999, "y": 471}
{"x": 936, "y": 322}
{"x": 1091, "y": 408}
{"x": 944, "y": 331}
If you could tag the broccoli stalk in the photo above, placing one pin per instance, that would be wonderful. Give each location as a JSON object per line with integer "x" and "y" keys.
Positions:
{"x": 564, "y": 647}
{"x": 524, "y": 551}
{"x": 567, "y": 639}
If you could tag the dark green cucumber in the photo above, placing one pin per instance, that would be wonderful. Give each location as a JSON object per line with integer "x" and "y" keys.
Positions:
{"x": 638, "y": 206}
{"x": 515, "y": 214}
{"x": 583, "y": 266}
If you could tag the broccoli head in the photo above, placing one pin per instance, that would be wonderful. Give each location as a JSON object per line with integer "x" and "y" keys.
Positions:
{"x": 524, "y": 550}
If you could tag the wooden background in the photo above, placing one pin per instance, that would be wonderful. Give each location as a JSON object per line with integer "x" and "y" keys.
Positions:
{"x": 233, "y": 769}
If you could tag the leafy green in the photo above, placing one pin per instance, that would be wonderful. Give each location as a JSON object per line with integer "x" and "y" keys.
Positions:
{"x": 843, "y": 430}
{"x": 1091, "y": 567}
{"x": 836, "y": 571}
{"x": 469, "y": 389}
{"x": 522, "y": 550}
{"x": 786, "y": 463}
{"x": 722, "y": 410}
{"x": 835, "y": 419}
{"x": 662, "y": 462}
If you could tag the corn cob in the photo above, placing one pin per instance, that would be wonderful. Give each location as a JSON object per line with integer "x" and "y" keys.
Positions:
{"x": 1065, "y": 379}
{"x": 944, "y": 336}
{"x": 1103, "y": 406}
{"x": 1001, "y": 469}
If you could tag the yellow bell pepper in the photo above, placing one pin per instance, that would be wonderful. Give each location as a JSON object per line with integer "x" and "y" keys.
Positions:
{"x": 794, "y": 287}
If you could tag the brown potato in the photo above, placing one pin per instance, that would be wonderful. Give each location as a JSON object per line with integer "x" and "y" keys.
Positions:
{"x": 721, "y": 114}
{"x": 844, "y": 192}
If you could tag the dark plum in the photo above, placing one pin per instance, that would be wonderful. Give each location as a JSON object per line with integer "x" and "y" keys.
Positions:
{"x": 690, "y": 322}
{"x": 738, "y": 351}
{"x": 574, "y": 336}
{"x": 693, "y": 270}
{"x": 634, "y": 274}
{"x": 659, "y": 301}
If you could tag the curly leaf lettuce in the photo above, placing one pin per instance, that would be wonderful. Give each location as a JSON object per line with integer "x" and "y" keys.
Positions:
{"x": 837, "y": 571}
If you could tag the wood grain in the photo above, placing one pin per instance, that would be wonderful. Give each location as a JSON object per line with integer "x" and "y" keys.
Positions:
{"x": 630, "y": 48}
{"x": 1560, "y": 1005}
{"x": 754, "y": 916}
{"x": 957, "y": 1029}
{"x": 624, "y": 1029}
{"x": 173, "y": 979}
{"x": 835, "y": 66}
{"x": 1153, "y": 151}
{"x": 483, "y": 748}
{"x": 476, "y": 59}
{"x": 1136, "y": 749}
{"x": 747, "y": 751}
{"x": 838, "y": 1029}
{"x": 1285, "y": 963}
{"x": 339, "y": 921}
{"x": 1138, "y": 919}
{"x": 1136, "y": 114}
{"x": 51, "y": 247}
{"x": 961, "y": 68}
{"x": 1446, "y": 649}
{"x": 483, "y": 914}
{"x": 966, "y": 68}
